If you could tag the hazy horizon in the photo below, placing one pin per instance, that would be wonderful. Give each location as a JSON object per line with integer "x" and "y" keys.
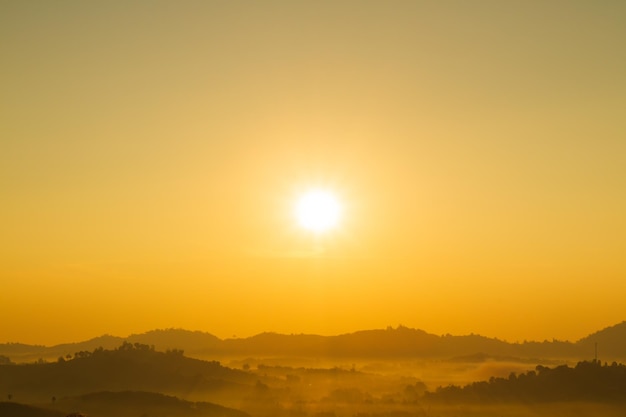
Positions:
{"x": 245, "y": 336}
{"x": 158, "y": 159}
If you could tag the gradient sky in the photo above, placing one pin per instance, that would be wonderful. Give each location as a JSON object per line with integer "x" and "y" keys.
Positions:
{"x": 151, "y": 153}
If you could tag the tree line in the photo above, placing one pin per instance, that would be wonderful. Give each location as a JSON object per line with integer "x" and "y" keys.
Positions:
{"x": 587, "y": 381}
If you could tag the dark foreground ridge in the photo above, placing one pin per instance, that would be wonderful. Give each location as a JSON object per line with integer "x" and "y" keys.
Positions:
{"x": 11, "y": 409}
{"x": 138, "y": 403}
{"x": 125, "y": 403}
{"x": 129, "y": 367}
{"x": 137, "y": 380}
{"x": 587, "y": 381}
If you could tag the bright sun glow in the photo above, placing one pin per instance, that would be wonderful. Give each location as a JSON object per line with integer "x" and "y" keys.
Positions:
{"x": 318, "y": 211}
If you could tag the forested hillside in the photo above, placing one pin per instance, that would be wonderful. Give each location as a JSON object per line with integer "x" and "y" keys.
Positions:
{"x": 587, "y": 381}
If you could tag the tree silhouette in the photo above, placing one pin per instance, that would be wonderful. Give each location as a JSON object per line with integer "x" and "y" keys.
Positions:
{"x": 586, "y": 381}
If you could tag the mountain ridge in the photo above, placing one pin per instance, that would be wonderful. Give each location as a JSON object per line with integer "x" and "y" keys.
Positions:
{"x": 397, "y": 342}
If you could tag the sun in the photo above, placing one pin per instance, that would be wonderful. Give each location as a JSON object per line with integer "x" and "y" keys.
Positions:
{"x": 318, "y": 211}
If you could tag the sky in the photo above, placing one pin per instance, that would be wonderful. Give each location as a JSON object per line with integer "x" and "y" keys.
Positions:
{"x": 152, "y": 154}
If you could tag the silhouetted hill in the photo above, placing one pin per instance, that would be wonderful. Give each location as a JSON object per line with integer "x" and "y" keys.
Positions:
{"x": 105, "y": 341}
{"x": 191, "y": 341}
{"x": 10, "y": 409}
{"x": 19, "y": 352}
{"x": 611, "y": 342}
{"x": 138, "y": 403}
{"x": 368, "y": 343}
{"x": 403, "y": 341}
{"x": 393, "y": 343}
{"x": 18, "y": 348}
{"x": 588, "y": 381}
{"x": 128, "y": 368}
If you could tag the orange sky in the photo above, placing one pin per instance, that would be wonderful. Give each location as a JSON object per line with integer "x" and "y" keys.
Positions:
{"x": 151, "y": 154}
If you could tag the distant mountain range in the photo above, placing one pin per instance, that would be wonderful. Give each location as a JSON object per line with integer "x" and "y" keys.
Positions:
{"x": 393, "y": 343}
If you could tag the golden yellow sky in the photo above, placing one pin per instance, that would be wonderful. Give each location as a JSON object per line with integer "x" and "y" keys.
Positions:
{"x": 151, "y": 153}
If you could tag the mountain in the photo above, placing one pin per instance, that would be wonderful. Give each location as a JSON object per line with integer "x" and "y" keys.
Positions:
{"x": 128, "y": 368}
{"x": 139, "y": 403}
{"x": 399, "y": 342}
{"x": 161, "y": 339}
{"x": 125, "y": 403}
{"x": 22, "y": 410}
{"x": 192, "y": 341}
{"x": 586, "y": 382}
{"x": 19, "y": 352}
{"x": 137, "y": 380}
{"x": 611, "y": 342}
{"x": 392, "y": 343}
